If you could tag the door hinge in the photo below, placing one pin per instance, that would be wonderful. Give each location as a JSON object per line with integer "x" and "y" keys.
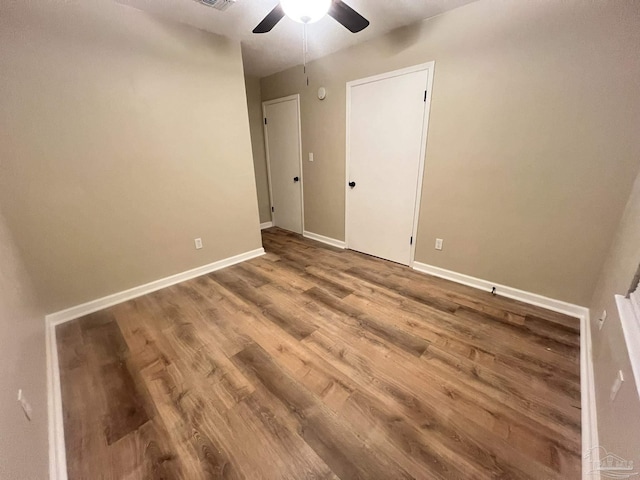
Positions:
{"x": 411, "y": 241}
{"x": 265, "y": 120}
{"x": 273, "y": 209}
{"x": 425, "y": 95}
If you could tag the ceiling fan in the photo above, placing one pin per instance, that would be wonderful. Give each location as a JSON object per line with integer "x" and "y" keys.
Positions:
{"x": 309, "y": 11}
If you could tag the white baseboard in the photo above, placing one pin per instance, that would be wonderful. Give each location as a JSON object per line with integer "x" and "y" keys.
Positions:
{"x": 509, "y": 292}
{"x": 113, "y": 299}
{"x": 589, "y": 416}
{"x": 57, "y": 452}
{"x": 266, "y": 225}
{"x": 328, "y": 240}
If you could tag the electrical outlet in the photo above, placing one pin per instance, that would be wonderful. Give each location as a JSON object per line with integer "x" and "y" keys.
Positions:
{"x": 310, "y": 157}
{"x": 198, "y": 242}
{"x": 617, "y": 383}
{"x": 601, "y": 320}
{"x": 26, "y": 406}
{"x": 439, "y": 243}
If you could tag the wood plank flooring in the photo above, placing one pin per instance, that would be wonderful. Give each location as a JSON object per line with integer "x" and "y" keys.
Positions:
{"x": 316, "y": 363}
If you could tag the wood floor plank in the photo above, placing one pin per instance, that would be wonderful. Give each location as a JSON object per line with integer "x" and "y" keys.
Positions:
{"x": 188, "y": 416}
{"x": 412, "y": 344}
{"x": 411, "y": 291}
{"x": 474, "y": 341}
{"x": 84, "y": 406}
{"x": 499, "y": 418}
{"x": 467, "y": 431}
{"x": 126, "y": 410}
{"x": 554, "y": 408}
{"x": 447, "y": 330}
{"x": 295, "y": 324}
{"x": 144, "y": 453}
{"x": 334, "y": 441}
{"x": 192, "y": 341}
{"x": 311, "y": 371}
{"x": 320, "y": 363}
{"x": 414, "y": 449}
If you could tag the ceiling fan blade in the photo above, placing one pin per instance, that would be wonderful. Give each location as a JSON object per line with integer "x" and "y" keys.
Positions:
{"x": 270, "y": 21}
{"x": 347, "y": 16}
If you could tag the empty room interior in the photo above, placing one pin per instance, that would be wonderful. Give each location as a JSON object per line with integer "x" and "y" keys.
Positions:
{"x": 319, "y": 239}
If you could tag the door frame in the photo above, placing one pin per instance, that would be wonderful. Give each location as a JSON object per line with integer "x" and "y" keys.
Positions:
{"x": 295, "y": 97}
{"x": 429, "y": 66}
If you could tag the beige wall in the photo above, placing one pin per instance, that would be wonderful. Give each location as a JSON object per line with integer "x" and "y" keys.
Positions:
{"x": 254, "y": 101}
{"x": 23, "y": 444}
{"x": 532, "y": 146}
{"x": 122, "y": 138}
{"x": 617, "y": 420}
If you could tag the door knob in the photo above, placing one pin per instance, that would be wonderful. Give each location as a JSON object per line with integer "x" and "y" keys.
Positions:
{"x": 352, "y": 184}
{"x": 295, "y": 179}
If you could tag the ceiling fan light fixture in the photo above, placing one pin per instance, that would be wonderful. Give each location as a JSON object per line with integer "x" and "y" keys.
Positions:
{"x": 305, "y": 11}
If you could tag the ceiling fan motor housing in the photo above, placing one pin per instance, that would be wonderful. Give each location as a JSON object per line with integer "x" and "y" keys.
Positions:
{"x": 305, "y": 11}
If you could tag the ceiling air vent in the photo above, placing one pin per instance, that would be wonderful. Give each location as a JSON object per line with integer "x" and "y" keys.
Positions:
{"x": 218, "y": 4}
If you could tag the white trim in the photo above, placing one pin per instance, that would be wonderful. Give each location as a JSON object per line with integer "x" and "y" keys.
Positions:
{"x": 266, "y": 154}
{"x": 629, "y": 311}
{"x": 509, "y": 292}
{"x": 347, "y": 158}
{"x": 301, "y": 164}
{"x": 115, "y": 298}
{"x": 321, "y": 238}
{"x": 393, "y": 73}
{"x": 295, "y": 97}
{"x": 589, "y": 417}
{"x": 57, "y": 451}
{"x": 266, "y": 225}
{"x": 429, "y": 67}
{"x": 423, "y": 152}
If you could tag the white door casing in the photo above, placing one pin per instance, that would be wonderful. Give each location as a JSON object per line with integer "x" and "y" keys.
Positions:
{"x": 284, "y": 161}
{"x": 387, "y": 121}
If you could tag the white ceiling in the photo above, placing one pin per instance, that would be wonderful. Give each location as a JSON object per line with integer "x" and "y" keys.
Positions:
{"x": 281, "y": 48}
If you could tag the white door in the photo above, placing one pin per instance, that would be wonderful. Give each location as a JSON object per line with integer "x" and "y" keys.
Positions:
{"x": 284, "y": 160}
{"x": 386, "y": 132}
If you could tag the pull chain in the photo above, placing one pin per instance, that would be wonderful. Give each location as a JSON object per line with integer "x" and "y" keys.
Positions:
{"x": 305, "y": 51}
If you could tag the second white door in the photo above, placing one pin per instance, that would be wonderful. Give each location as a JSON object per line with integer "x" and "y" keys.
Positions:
{"x": 282, "y": 140}
{"x": 386, "y": 138}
